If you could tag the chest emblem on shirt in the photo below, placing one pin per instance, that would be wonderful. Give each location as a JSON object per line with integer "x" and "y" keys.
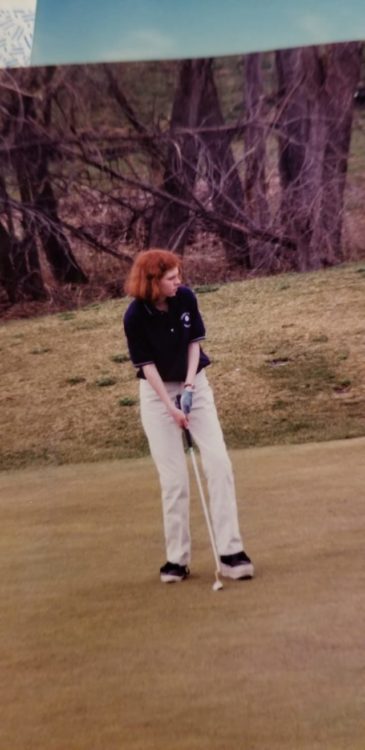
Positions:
{"x": 185, "y": 318}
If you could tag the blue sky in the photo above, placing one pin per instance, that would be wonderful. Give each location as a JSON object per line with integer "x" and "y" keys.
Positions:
{"x": 91, "y": 30}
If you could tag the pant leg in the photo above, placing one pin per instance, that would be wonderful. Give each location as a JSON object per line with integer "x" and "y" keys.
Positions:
{"x": 166, "y": 446}
{"x": 207, "y": 433}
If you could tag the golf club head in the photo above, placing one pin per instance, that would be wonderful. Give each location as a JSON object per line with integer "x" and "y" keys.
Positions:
{"x": 217, "y": 585}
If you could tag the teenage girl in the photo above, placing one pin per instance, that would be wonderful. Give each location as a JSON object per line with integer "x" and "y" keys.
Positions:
{"x": 164, "y": 331}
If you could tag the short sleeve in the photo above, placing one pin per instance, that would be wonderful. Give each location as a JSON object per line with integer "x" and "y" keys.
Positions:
{"x": 197, "y": 330}
{"x": 139, "y": 348}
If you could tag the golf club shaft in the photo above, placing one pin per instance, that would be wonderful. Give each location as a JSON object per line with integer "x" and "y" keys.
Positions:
{"x": 204, "y": 506}
{"x": 189, "y": 441}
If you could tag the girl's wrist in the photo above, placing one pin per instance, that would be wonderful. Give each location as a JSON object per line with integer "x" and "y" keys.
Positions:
{"x": 189, "y": 386}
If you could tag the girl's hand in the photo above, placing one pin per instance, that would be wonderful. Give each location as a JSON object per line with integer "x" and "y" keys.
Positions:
{"x": 179, "y": 417}
{"x": 187, "y": 400}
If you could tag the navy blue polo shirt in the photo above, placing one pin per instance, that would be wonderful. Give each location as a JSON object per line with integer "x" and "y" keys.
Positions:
{"x": 162, "y": 338}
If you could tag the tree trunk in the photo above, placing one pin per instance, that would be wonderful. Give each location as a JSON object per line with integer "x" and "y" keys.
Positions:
{"x": 36, "y": 190}
{"x": 344, "y": 65}
{"x": 196, "y": 105}
{"x": 225, "y": 187}
{"x": 316, "y": 87}
{"x": 255, "y": 134}
{"x": 27, "y": 270}
{"x": 300, "y": 164}
{"x": 20, "y": 270}
{"x": 6, "y": 269}
{"x": 171, "y": 220}
{"x": 64, "y": 265}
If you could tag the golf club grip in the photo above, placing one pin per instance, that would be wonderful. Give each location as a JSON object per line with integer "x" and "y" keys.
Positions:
{"x": 188, "y": 437}
{"x": 185, "y": 429}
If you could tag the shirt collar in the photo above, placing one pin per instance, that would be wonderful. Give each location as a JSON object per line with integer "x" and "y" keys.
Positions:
{"x": 152, "y": 310}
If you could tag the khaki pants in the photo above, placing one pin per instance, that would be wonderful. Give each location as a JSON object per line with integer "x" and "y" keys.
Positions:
{"x": 167, "y": 450}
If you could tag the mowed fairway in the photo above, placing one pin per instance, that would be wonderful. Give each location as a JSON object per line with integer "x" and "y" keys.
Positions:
{"x": 97, "y": 654}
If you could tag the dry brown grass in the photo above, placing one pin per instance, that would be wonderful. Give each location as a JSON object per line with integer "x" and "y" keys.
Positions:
{"x": 54, "y": 408}
{"x": 96, "y": 654}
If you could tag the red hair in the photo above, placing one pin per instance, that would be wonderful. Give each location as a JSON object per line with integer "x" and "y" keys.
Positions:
{"x": 148, "y": 268}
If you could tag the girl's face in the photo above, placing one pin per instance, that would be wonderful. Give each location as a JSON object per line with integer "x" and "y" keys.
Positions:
{"x": 169, "y": 283}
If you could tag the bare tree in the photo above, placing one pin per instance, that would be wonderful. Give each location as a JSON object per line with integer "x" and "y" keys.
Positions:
{"x": 79, "y": 169}
{"x": 255, "y": 137}
{"x": 199, "y": 147}
{"x": 316, "y": 87}
{"x": 32, "y": 162}
{"x": 171, "y": 216}
{"x": 29, "y": 205}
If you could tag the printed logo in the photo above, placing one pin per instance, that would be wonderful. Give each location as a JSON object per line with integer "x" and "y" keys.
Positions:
{"x": 185, "y": 318}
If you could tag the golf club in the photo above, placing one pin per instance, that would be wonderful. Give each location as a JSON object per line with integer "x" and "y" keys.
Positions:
{"x": 217, "y": 585}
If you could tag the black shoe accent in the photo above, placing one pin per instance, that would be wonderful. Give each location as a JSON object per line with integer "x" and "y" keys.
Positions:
{"x": 237, "y": 566}
{"x": 238, "y": 558}
{"x": 171, "y": 572}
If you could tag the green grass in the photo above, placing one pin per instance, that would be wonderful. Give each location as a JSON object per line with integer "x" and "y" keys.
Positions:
{"x": 288, "y": 358}
{"x": 127, "y": 401}
{"x": 120, "y": 358}
{"x": 76, "y": 379}
{"x": 105, "y": 381}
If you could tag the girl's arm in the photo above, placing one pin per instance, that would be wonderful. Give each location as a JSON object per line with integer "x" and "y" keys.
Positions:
{"x": 193, "y": 361}
{"x": 153, "y": 377}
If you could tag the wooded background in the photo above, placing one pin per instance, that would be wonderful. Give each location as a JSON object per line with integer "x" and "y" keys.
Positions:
{"x": 243, "y": 158}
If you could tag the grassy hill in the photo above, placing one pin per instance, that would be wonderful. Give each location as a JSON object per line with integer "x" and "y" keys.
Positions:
{"x": 288, "y": 366}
